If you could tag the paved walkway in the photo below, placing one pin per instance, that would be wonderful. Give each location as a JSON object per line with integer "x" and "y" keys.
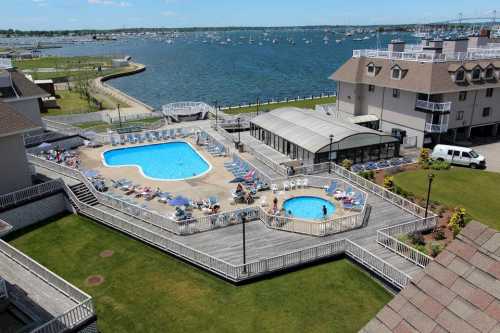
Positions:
{"x": 492, "y": 153}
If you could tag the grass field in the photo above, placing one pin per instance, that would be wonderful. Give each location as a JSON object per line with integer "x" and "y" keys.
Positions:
{"x": 146, "y": 290}
{"x": 72, "y": 102}
{"x": 476, "y": 191}
{"x": 310, "y": 104}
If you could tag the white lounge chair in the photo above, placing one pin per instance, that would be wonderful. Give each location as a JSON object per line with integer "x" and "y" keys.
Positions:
{"x": 263, "y": 202}
{"x": 292, "y": 185}
{"x": 305, "y": 182}
{"x": 274, "y": 188}
{"x": 286, "y": 186}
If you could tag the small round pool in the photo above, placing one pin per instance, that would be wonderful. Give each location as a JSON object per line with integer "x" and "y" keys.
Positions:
{"x": 308, "y": 208}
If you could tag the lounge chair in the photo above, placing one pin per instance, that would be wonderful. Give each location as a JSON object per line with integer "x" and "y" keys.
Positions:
{"x": 330, "y": 190}
{"x": 305, "y": 182}
{"x": 292, "y": 185}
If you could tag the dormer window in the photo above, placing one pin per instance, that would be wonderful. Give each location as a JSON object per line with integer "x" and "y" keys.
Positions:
{"x": 371, "y": 69}
{"x": 460, "y": 75}
{"x": 476, "y": 74}
{"x": 396, "y": 73}
{"x": 489, "y": 73}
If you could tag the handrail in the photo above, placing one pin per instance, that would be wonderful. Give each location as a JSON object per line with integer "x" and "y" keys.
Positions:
{"x": 29, "y": 193}
{"x": 3, "y": 289}
{"x": 83, "y": 310}
{"x": 433, "y": 106}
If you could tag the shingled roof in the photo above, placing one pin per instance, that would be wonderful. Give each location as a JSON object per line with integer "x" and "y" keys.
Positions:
{"x": 457, "y": 292}
{"x": 12, "y": 122}
{"x": 420, "y": 77}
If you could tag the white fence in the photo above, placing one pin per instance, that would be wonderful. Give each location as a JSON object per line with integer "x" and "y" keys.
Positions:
{"x": 3, "y": 289}
{"x": 386, "y": 239}
{"x": 476, "y": 54}
{"x": 73, "y": 317}
{"x": 5, "y": 63}
{"x": 433, "y": 106}
{"x": 29, "y": 193}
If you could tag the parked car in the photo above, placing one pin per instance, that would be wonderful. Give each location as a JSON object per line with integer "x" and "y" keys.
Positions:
{"x": 458, "y": 155}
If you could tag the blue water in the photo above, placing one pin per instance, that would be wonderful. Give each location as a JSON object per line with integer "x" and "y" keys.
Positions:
{"x": 308, "y": 208}
{"x": 239, "y": 72}
{"x": 166, "y": 161}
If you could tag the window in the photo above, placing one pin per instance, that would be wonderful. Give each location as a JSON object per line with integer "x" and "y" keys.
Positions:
{"x": 462, "y": 96}
{"x": 450, "y": 152}
{"x": 371, "y": 69}
{"x": 489, "y": 73}
{"x": 371, "y": 88}
{"x": 460, "y": 115}
{"x": 486, "y": 112}
{"x": 460, "y": 76}
{"x": 476, "y": 74}
{"x": 456, "y": 153}
{"x": 395, "y": 93}
{"x": 396, "y": 73}
{"x": 489, "y": 92}
{"x": 465, "y": 155}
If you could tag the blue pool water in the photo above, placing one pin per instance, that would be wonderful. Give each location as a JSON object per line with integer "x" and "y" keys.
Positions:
{"x": 308, "y": 208}
{"x": 166, "y": 161}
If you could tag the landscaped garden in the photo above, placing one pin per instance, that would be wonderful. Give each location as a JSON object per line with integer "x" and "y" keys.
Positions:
{"x": 145, "y": 290}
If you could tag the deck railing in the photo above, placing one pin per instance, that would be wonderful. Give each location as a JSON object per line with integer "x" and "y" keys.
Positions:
{"x": 83, "y": 310}
{"x": 436, "y": 128}
{"x": 29, "y": 193}
{"x": 477, "y": 54}
{"x": 5, "y": 63}
{"x": 3, "y": 289}
{"x": 386, "y": 239}
{"x": 433, "y": 106}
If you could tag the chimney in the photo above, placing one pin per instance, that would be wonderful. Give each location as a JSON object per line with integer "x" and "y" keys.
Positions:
{"x": 396, "y": 46}
{"x": 481, "y": 40}
{"x": 455, "y": 45}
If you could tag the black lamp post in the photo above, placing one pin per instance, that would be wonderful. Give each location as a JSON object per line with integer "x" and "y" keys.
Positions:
{"x": 431, "y": 178}
{"x": 330, "y": 155}
{"x": 119, "y": 115}
{"x": 258, "y": 102}
{"x": 243, "y": 222}
{"x": 239, "y": 131}
{"x": 216, "y": 116}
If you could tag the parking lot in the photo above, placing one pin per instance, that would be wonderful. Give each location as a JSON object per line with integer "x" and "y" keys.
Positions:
{"x": 492, "y": 154}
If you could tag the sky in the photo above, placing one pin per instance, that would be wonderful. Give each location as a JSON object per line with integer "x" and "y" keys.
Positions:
{"x": 107, "y": 14}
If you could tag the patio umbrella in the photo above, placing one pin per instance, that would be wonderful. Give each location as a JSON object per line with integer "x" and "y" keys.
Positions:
{"x": 237, "y": 180}
{"x": 91, "y": 173}
{"x": 179, "y": 201}
{"x": 45, "y": 145}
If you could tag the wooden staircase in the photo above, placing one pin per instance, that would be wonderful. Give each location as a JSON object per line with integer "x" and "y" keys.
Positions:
{"x": 83, "y": 194}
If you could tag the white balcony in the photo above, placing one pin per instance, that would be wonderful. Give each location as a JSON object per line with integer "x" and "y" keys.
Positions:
{"x": 433, "y": 106}
{"x": 5, "y": 63}
{"x": 431, "y": 57}
{"x": 436, "y": 128}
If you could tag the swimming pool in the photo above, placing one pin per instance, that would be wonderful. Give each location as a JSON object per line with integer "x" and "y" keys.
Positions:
{"x": 165, "y": 161}
{"x": 308, "y": 208}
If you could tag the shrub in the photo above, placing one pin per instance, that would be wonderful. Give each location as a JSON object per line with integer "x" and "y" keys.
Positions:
{"x": 440, "y": 165}
{"x": 421, "y": 248}
{"x": 436, "y": 249}
{"x": 423, "y": 158}
{"x": 347, "y": 164}
{"x": 370, "y": 175}
{"x": 439, "y": 235}
{"x": 389, "y": 183}
{"x": 417, "y": 238}
{"x": 457, "y": 220}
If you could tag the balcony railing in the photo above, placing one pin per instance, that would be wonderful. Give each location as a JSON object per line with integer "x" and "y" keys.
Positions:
{"x": 436, "y": 128}
{"x": 422, "y": 56}
{"x": 5, "y": 63}
{"x": 433, "y": 106}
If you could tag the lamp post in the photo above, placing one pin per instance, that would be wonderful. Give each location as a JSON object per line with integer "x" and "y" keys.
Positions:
{"x": 330, "y": 155}
{"x": 243, "y": 222}
{"x": 258, "y": 102}
{"x": 239, "y": 131}
{"x": 216, "y": 115}
{"x": 430, "y": 178}
{"x": 119, "y": 115}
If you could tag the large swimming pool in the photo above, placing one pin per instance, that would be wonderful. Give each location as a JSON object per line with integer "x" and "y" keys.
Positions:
{"x": 166, "y": 161}
{"x": 308, "y": 208}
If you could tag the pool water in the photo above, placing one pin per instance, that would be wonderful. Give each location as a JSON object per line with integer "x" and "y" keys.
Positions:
{"x": 308, "y": 208}
{"x": 165, "y": 161}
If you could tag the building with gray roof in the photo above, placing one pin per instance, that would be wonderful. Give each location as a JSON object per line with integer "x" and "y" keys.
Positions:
{"x": 310, "y": 136}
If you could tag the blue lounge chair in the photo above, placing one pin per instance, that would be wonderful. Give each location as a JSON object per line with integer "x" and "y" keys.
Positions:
{"x": 332, "y": 188}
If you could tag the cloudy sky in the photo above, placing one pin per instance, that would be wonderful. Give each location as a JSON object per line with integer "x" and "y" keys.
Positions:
{"x": 76, "y": 14}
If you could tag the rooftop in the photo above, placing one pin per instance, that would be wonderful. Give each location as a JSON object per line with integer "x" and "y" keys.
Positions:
{"x": 311, "y": 130}
{"x": 457, "y": 292}
{"x": 12, "y": 122}
{"x": 14, "y": 84}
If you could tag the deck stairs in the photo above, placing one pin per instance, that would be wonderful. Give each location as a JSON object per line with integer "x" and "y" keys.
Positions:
{"x": 84, "y": 195}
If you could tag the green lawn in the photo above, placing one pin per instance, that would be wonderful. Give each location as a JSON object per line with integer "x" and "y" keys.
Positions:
{"x": 476, "y": 191}
{"x": 310, "y": 103}
{"x": 71, "y": 102}
{"x": 63, "y": 62}
{"x": 146, "y": 290}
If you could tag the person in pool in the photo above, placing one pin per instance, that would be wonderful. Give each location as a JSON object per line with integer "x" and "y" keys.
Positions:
{"x": 325, "y": 211}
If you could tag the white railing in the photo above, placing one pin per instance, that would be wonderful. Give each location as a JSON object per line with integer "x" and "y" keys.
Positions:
{"x": 73, "y": 317}
{"x": 5, "y": 63}
{"x": 184, "y": 109}
{"x": 433, "y": 106}
{"x": 29, "y": 193}
{"x": 378, "y": 265}
{"x": 436, "y": 128}
{"x": 386, "y": 239}
{"x": 477, "y": 54}
{"x": 3, "y": 289}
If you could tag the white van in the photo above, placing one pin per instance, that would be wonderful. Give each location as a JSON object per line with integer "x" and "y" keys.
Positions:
{"x": 458, "y": 155}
